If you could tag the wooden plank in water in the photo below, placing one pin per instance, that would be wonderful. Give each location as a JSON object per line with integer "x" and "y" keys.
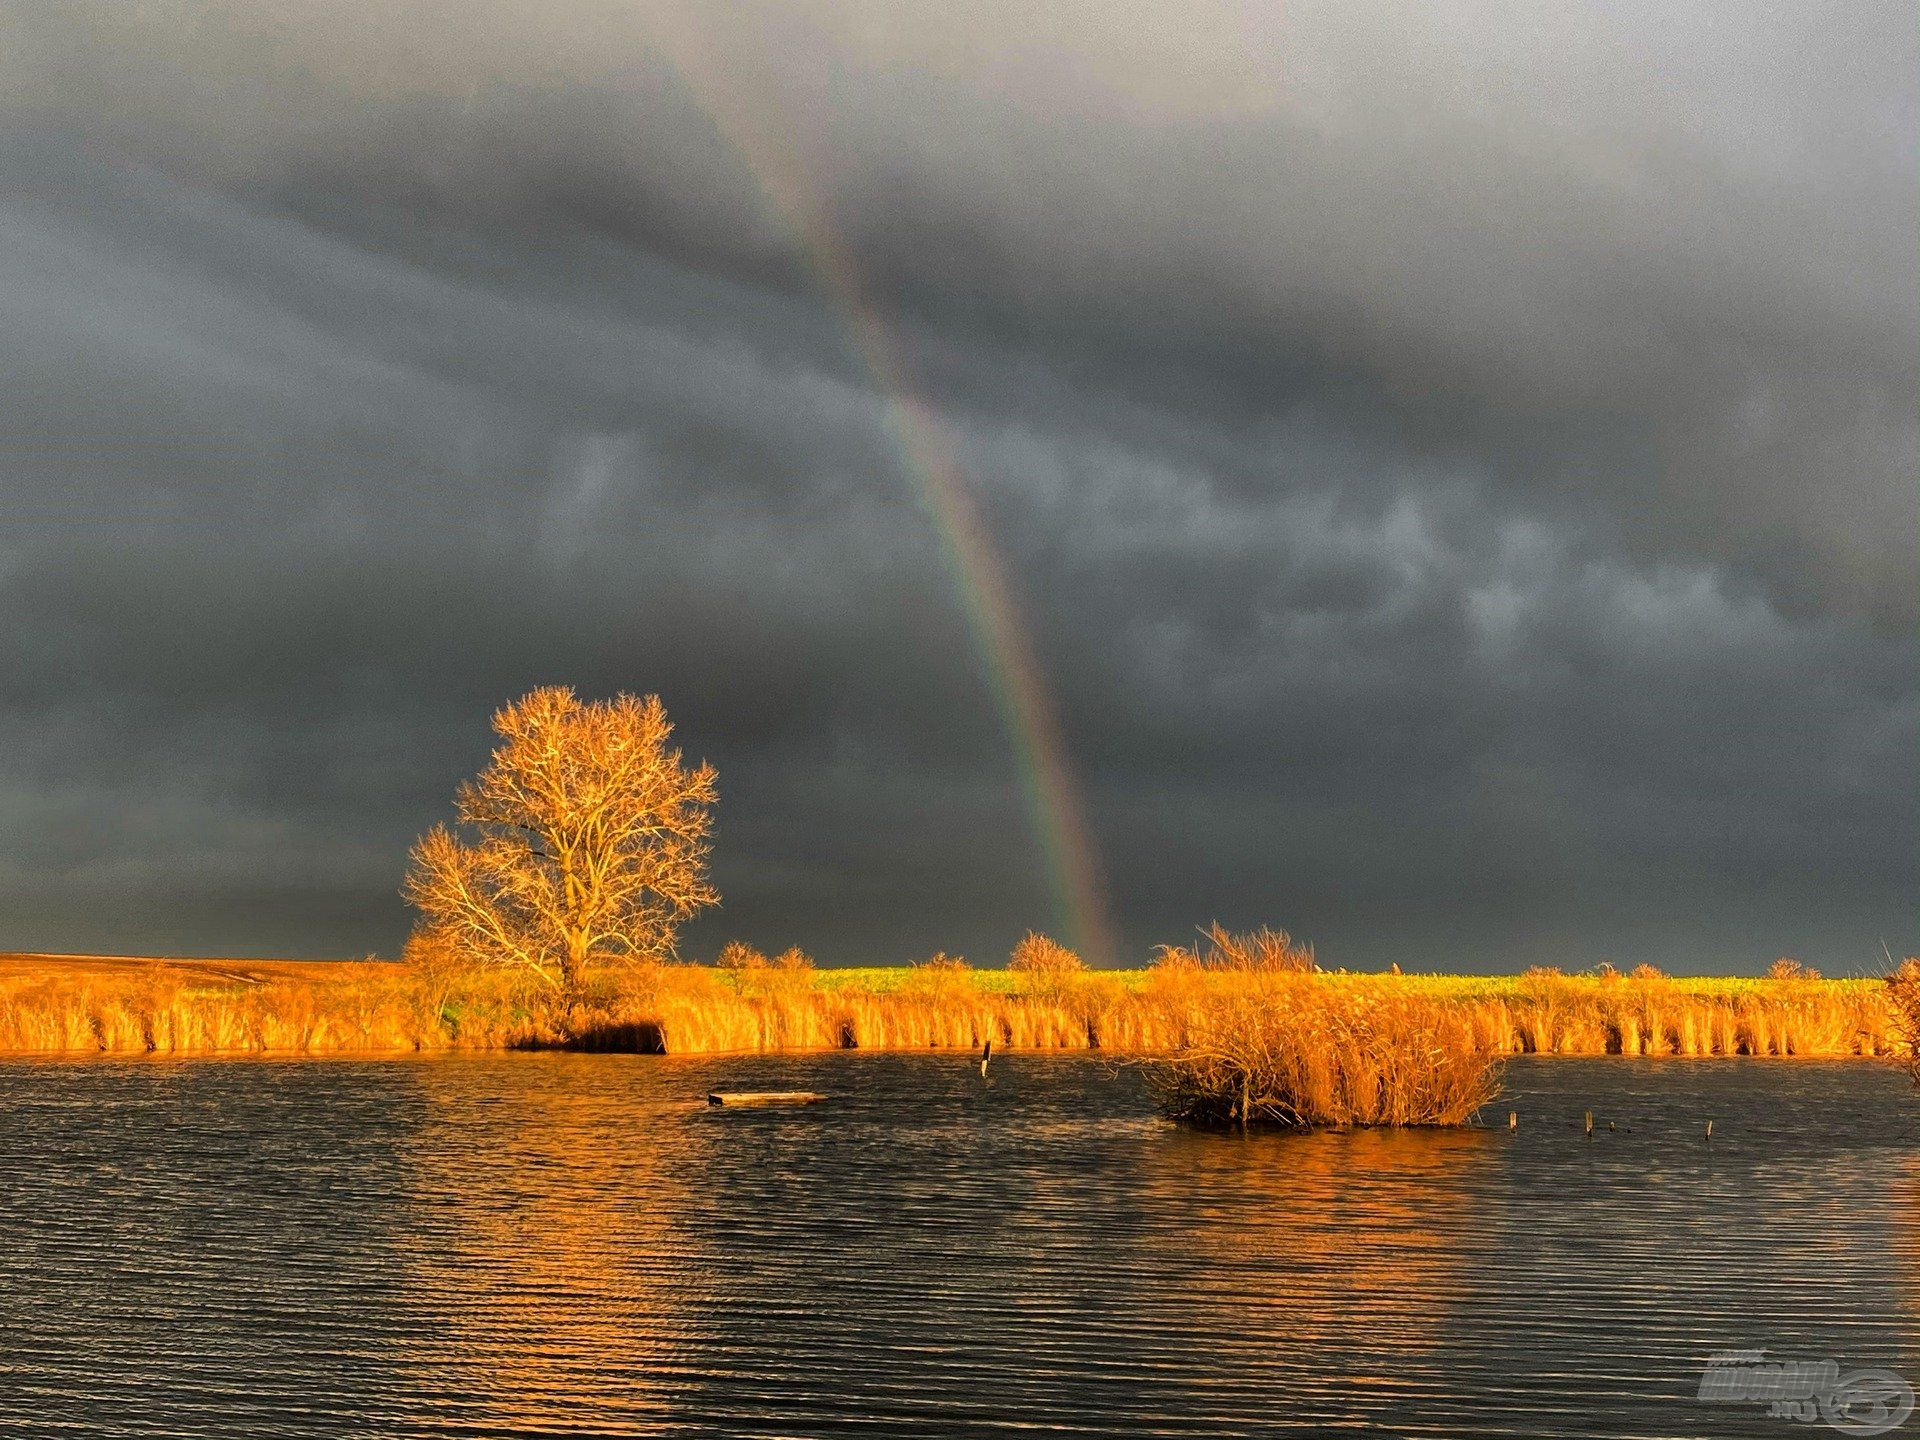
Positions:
{"x": 763, "y": 1097}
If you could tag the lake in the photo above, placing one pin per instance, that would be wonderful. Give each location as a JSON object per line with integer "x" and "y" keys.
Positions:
{"x": 521, "y": 1244}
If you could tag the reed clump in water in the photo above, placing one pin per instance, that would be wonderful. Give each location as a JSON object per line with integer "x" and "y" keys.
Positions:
{"x": 1903, "y": 994}
{"x": 1267, "y": 1040}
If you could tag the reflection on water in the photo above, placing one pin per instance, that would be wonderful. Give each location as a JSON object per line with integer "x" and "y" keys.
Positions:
{"x": 544, "y": 1237}
{"x": 537, "y": 1245}
{"x": 1332, "y": 1242}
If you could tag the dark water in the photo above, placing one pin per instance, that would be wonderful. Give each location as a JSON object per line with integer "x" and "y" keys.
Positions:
{"x": 536, "y": 1245}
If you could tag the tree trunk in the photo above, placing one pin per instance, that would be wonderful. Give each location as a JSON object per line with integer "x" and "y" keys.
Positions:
{"x": 573, "y": 967}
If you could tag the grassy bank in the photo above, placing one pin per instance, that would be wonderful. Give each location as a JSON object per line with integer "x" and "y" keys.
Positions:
{"x": 81, "y": 1005}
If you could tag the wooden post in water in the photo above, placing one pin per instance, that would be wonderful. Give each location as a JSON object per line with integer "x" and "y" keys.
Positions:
{"x": 1589, "y": 1124}
{"x": 986, "y": 1054}
{"x": 1709, "y": 1130}
{"x": 1513, "y": 1119}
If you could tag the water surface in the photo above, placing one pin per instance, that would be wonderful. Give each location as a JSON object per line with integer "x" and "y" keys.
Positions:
{"x": 575, "y": 1244}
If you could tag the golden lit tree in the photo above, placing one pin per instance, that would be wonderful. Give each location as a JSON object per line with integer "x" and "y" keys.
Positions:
{"x": 588, "y": 842}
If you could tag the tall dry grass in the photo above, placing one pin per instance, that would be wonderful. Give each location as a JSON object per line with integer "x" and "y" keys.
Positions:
{"x": 1293, "y": 1051}
{"x": 170, "y": 1009}
{"x": 1264, "y": 1039}
{"x": 1646, "y": 1013}
{"x": 784, "y": 1003}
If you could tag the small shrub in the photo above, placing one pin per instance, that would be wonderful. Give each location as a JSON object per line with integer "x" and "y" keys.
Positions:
{"x": 740, "y": 963}
{"x": 943, "y": 979}
{"x": 1048, "y": 969}
{"x": 736, "y": 956}
{"x": 1788, "y": 968}
{"x": 1042, "y": 956}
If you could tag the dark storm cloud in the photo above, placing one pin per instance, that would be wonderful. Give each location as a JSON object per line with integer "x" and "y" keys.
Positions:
{"x": 1459, "y": 470}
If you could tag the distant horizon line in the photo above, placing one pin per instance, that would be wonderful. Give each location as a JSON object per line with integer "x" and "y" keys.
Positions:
{"x": 18, "y": 956}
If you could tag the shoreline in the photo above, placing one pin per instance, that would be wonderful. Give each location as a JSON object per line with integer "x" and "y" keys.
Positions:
{"x": 81, "y": 1005}
{"x": 531, "y": 1052}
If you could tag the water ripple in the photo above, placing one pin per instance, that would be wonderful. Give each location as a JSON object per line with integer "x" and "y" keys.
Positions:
{"x": 569, "y": 1244}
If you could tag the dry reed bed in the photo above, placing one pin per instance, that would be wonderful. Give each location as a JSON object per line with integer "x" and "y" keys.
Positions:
{"x": 385, "y": 1008}
{"x": 1290, "y": 1048}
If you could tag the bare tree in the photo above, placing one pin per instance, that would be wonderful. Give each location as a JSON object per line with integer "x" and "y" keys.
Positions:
{"x": 590, "y": 842}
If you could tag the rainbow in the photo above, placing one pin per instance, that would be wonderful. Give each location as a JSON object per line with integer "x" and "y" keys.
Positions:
{"x": 1021, "y": 694}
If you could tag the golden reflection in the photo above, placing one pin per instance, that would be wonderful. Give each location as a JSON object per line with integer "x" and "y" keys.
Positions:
{"x": 1906, "y": 1234}
{"x": 1331, "y": 1243}
{"x": 550, "y": 1252}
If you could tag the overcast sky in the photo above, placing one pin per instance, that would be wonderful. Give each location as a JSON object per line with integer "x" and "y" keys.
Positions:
{"x": 1456, "y": 464}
